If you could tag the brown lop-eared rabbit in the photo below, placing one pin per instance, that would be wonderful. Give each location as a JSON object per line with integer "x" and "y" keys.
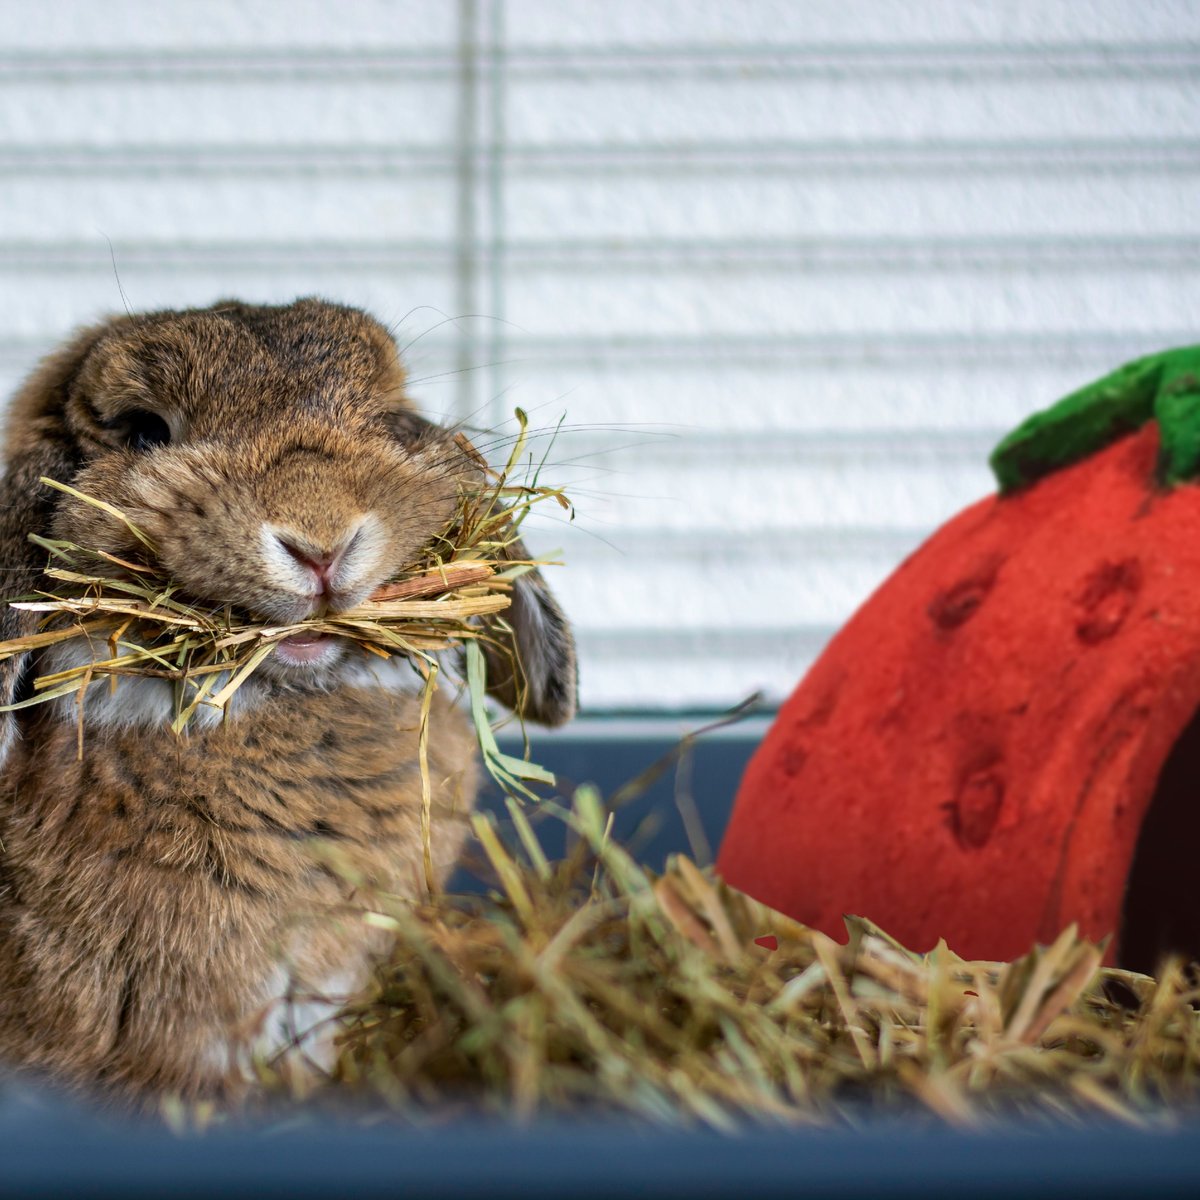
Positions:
{"x": 160, "y": 902}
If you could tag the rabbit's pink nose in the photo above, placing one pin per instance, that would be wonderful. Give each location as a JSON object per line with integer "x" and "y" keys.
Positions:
{"x": 322, "y": 563}
{"x": 330, "y": 566}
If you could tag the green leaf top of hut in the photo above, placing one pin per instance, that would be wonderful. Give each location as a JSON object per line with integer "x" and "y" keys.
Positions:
{"x": 1163, "y": 387}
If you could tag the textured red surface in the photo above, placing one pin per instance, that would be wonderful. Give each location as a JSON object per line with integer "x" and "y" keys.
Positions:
{"x": 973, "y": 755}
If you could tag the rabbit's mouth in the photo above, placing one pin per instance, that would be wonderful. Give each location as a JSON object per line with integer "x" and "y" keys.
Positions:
{"x": 308, "y": 649}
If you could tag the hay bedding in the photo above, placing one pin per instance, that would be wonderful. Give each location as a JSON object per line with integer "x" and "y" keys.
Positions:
{"x": 593, "y": 985}
{"x": 590, "y": 984}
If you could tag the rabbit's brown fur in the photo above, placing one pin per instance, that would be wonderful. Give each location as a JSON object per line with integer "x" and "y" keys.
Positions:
{"x": 159, "y": 898}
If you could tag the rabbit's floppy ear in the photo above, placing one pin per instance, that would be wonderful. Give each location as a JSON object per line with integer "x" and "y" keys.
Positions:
{"x": 37, "y": 443}
{"x": 531, "y": 665}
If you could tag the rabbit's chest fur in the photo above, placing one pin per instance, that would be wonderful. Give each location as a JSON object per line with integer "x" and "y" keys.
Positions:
{"x": 164, "y": 896}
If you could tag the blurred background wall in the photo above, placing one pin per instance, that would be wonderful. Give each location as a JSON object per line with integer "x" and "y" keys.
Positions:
{"x": 788, "y": 268}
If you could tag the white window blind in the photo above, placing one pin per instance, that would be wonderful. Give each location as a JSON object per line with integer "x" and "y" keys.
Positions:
{"x": 789, "y": 269}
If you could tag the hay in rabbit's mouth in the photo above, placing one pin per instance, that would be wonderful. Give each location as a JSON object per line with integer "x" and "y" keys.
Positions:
{"x": 137, "y": 623}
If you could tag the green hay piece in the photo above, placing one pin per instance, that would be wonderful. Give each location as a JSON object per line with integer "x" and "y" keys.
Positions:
{"x": 1161, "y": 387}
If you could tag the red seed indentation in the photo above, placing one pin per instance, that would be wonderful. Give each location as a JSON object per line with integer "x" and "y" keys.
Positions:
{"x": 976, "y": 809}
{"x": 1105, "y": 599}
{"x": 957, "y": 604}
{"x": 792, "y": 760}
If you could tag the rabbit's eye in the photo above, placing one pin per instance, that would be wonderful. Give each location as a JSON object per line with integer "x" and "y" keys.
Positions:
{"x": 143, "y": 430}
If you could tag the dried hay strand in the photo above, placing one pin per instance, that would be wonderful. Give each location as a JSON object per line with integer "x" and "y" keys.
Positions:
{"x": 591, "y": 985}
{"x": 136, "y": 622}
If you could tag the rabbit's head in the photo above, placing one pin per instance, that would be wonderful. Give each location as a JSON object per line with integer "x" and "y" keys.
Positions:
{"x": 273, "y": 460}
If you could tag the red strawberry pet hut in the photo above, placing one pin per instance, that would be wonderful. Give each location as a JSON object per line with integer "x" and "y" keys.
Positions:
{"x": 1005, "y": 738}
